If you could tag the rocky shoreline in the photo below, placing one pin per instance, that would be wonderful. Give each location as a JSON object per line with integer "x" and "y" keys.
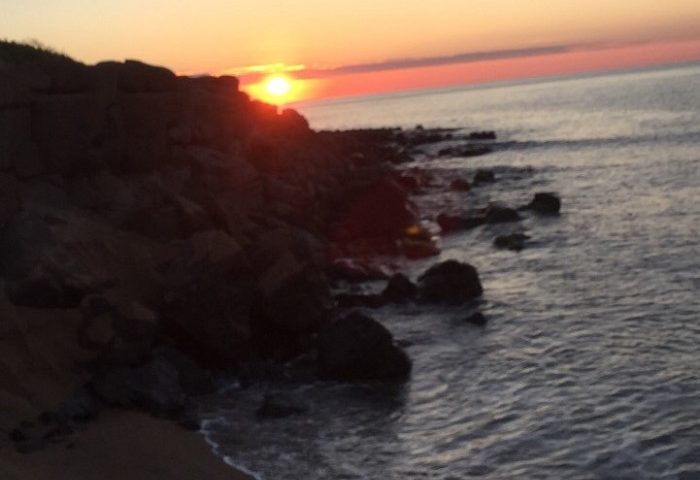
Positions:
{"x": 158, "y": 232}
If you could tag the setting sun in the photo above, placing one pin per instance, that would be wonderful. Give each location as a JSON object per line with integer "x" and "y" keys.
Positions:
{"x": 278, "y": 86}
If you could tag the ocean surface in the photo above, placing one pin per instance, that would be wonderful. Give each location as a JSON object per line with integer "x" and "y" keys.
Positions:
{"x": 589, "y": 366}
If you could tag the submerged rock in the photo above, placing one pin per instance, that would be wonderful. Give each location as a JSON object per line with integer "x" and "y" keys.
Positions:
{"x": 484, "y": 176}
{"x": 483, "y": 135}
{"x": 514, "y": 241}
{"x": 449, "y": 282}
{"x": 477, "y": 318}
{"x": 545, "y": 202}
{"x": 496, "y": 213}
{"x": 279, "y": 406}
{"x": 357, "y": 347}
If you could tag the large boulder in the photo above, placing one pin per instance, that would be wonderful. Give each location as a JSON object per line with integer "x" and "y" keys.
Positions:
{"x": 382, "y": 210}
{"x": 449, "y": 282}
{"x": 209, "y": 318}
{"x": 123, "y": 331}
{"x": 357, "y": 347}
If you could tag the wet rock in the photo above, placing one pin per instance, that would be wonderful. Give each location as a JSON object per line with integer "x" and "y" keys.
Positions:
{"x": 469, "y": 150}
{"x": 452, "y": 223}
{"x": 514, "y": 241}
{"x": 353, "y": 270}
{"x": 496, "y": 213}
{"x": 449, "y": 282}
{"x": 477, "y": 318}
{"x": 279, "y": 406}
{"x": 399, "y": 288}
{"x": 357, "y": 347}
{"x": 483, "y": 135}
{"x": 416, "y": 248}
{"x": 460, "y": 185}
{"x": 484, "y": 176}
{"x": 355, "y": 300}
{"x": 545, "y": 202}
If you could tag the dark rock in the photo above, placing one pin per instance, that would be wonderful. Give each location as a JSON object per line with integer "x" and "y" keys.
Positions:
{"x": 382, "y": 210}
{"x": 399, "y": 288}
{"x": 416, "y": 248}
{"x": 449, "y": 282}
{"x": 483, "y": 135}
{"x": 500, "y": 214}
{"x": 279, "y": 406}
{"x": 453, "y": 223}
{"x": 9, "y": 199}
{"x": 356, "y": 347}
{"x": 353, "y": 300}
{"x": 194, "y": 380}
{"x": 299, "y": 303}
{"x": 468, "y": 150}
{"x": 153, "y": 387}
{"x": 209, "y": 318}
{"x": 81, "y": 406}
{"x": 477, "y": 318}
{"x": 408, "y": 182}
{"x": 44, "y": 291}
{"x": 514, "y": 241}
{"x": 545, "y": 202}
{"x": 460, "y": 185}
{"x": 353, "y": 270}
{"x": 484, "y": 176}
{"x": 122, "y": 330}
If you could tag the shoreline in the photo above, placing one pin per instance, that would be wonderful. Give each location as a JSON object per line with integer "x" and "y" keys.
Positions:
{"x": 122, "y": 445}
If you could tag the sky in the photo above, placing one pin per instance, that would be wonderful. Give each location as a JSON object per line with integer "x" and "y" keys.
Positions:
{"x": 342, "y": 47}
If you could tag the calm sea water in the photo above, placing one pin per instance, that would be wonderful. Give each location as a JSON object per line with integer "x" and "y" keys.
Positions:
{"x": 589, "y": 367}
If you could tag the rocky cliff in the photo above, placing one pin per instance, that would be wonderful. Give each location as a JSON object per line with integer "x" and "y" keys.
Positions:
{"x": 144, "y": 216}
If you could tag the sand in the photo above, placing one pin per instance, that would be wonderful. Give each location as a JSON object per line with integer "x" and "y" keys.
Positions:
{"x": 121, "y": 445}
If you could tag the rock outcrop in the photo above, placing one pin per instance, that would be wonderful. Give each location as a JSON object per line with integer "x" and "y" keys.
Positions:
{"x": 141, "y": 209}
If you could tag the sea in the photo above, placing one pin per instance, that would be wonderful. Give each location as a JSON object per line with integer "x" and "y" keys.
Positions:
{"x": 589, "y": 365}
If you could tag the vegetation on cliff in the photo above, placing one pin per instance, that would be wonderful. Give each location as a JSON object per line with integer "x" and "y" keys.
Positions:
{"x": 15, "y": 53}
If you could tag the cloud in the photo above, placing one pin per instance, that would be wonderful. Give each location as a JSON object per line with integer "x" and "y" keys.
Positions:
{"x": 249, "y": 76}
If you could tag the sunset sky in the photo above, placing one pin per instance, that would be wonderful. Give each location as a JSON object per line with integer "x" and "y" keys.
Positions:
{"x": 338, "y": 48}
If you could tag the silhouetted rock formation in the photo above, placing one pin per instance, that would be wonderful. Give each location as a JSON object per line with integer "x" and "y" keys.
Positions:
{"x": 140, "y": 209}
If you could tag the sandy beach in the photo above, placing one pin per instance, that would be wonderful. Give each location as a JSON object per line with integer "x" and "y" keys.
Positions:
{"x": 121, "y": 445}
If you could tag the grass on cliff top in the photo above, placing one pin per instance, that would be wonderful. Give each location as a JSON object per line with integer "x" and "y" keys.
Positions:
{"x": 17, "y": 53}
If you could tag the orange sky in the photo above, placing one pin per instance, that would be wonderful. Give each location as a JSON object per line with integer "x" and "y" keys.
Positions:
{"x": 497, "y": 70}
{"x": 214, "y": 36}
